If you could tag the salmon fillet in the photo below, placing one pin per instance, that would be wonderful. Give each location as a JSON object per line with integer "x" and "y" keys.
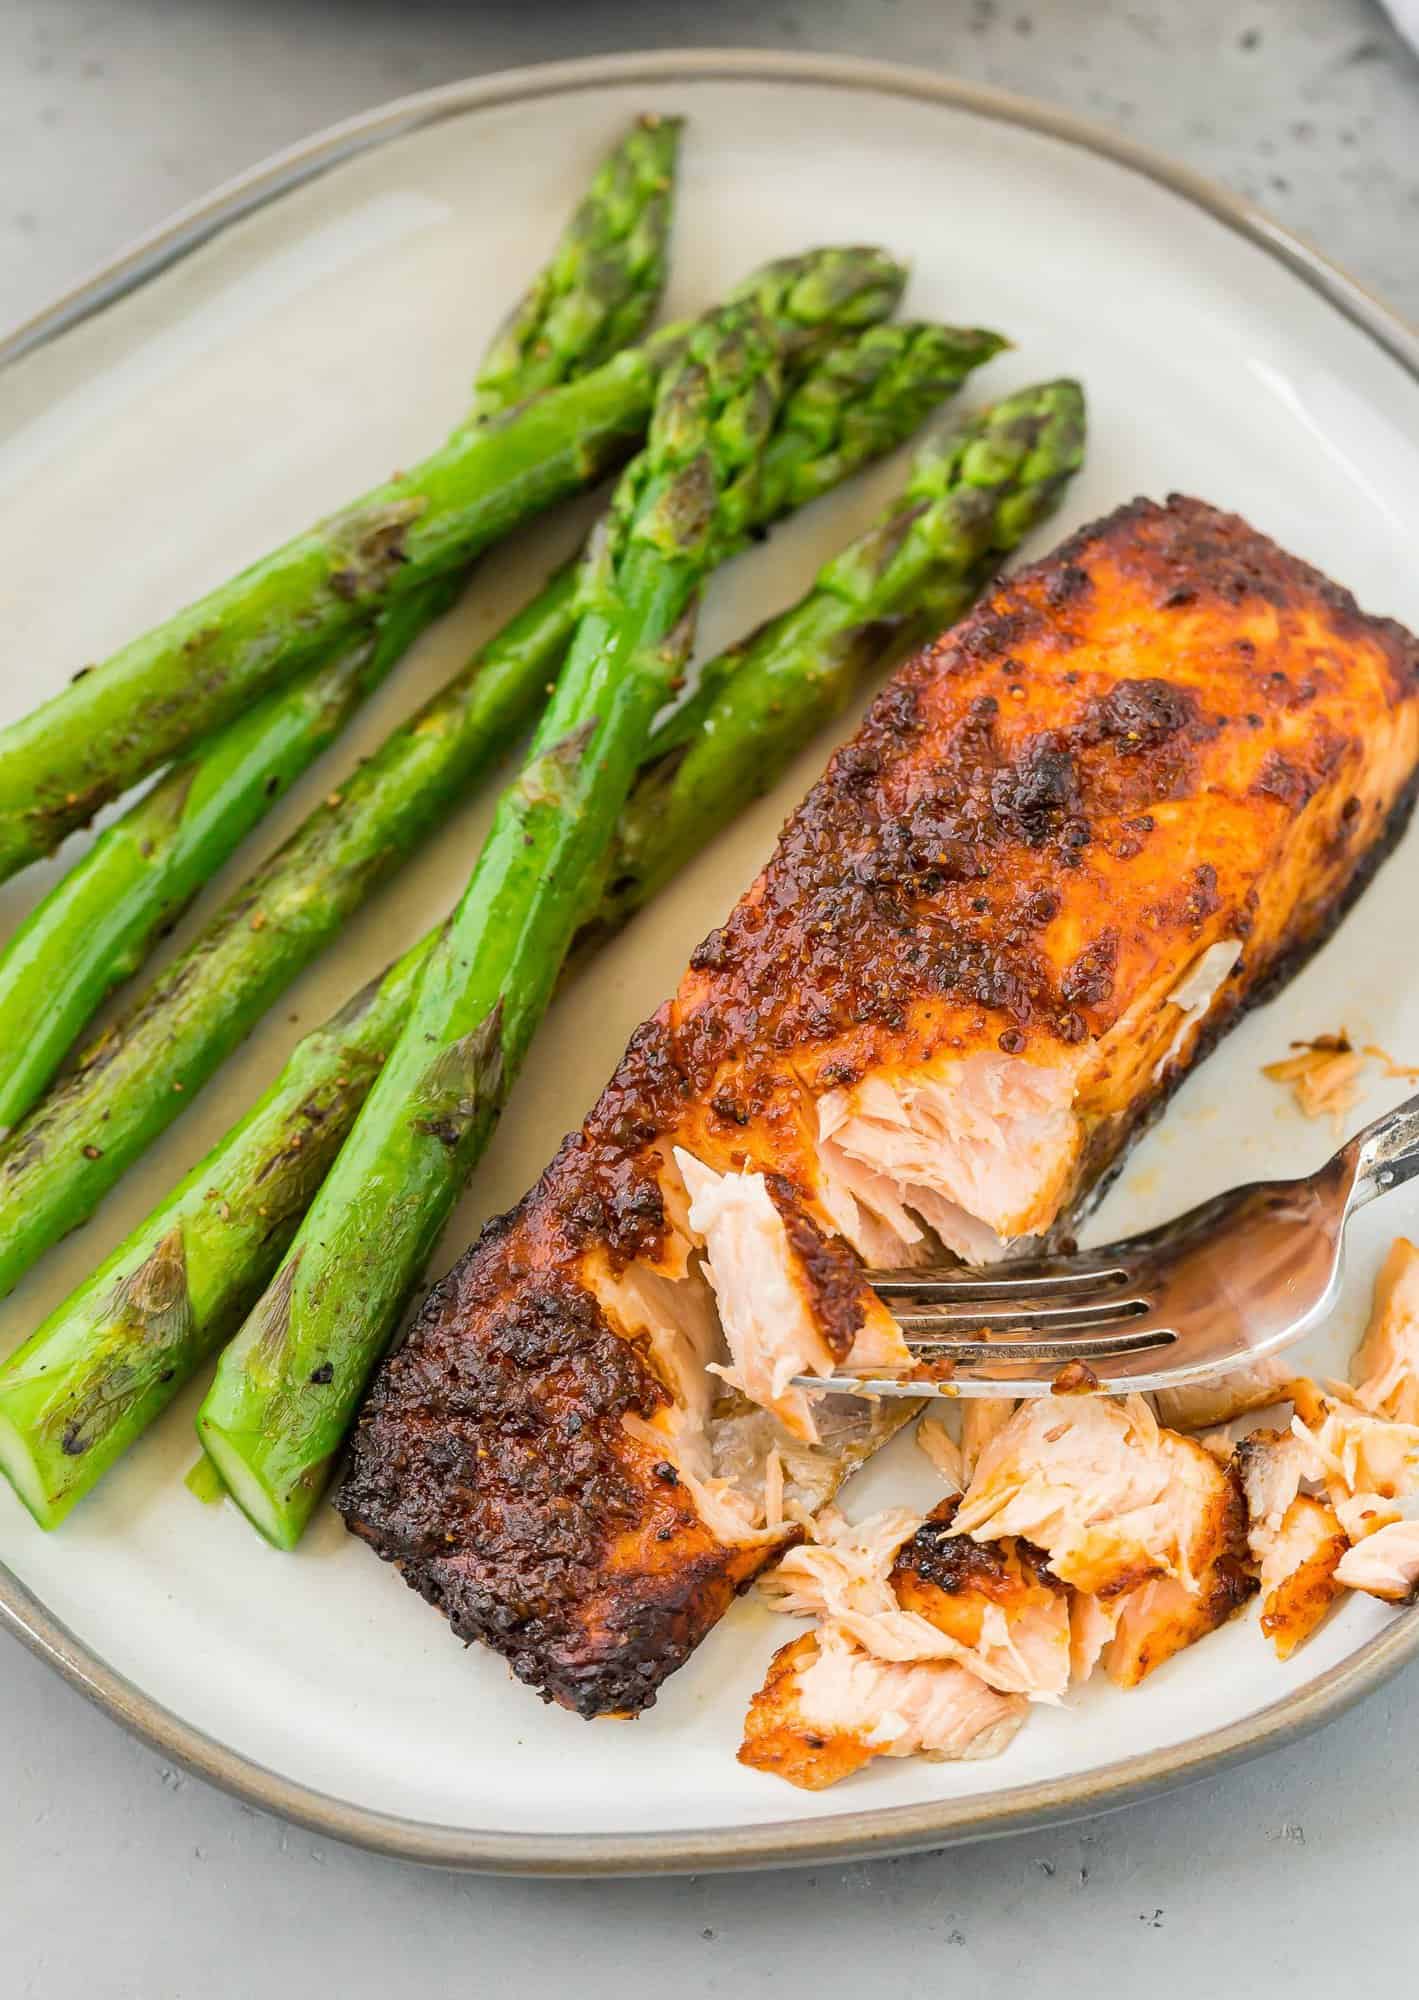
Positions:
{"x": 1072, "y": 840}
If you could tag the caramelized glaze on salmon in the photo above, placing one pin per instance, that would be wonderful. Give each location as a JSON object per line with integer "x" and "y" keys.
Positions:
{"x": 1071, "y": 841}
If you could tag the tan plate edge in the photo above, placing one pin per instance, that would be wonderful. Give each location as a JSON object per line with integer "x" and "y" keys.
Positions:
{"x": 884, "y": 1830}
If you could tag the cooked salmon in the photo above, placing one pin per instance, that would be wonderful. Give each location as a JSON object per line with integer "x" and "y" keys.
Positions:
{"x": 999, "y": 1601}
{"x": 1386, "y": 1367}
{"x": 1144, "y": 1523}
{"x": 1072, "y": 840}
{"x": 1221, "y": 1399}
{"x": 1112, "y": 1497}
{"x": 948, "y": 1457}
{"x": 827, "y": 1708}
{"x": 1351, "y": 1449}
{"x": 1158, "y": 1619}
{"x": 982, "y": 1418}
{"x": 1296, "y": 1539}
{"x": 905, "y": 1589}
{"x": 1386, "y": 1563}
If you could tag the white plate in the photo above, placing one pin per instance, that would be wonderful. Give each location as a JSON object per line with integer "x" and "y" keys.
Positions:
{"x": 322, "y": 334}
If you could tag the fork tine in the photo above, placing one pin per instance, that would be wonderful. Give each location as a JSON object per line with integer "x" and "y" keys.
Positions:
{"x": 1084, "y": 1347}
{"x": 965, "y": 1287}
{"x": 942, "y": 1321}
{"x": 975, "y": 1376}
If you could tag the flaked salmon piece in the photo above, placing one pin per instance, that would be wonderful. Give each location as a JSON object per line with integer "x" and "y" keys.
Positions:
{"x": 988, "y": 944}
{"x": 1385, "y": 1564}
{"x": 883, "y": 1584}
{"x": 999, "y": 1600}
{"x": 843, "y": 1568}
{"x": 1110, "y": 1495}
{"x": 1324, "y": 1076}
{"x": 984, "y": 1417}
{"x": 1295, "y": 1539}
{"x": 1133, "y": 1632}
{"x": 1139, "y": 1629}
{"x": 936, "y": 1443}
{"x": 1271, "y": 1465}
{"x": 1162, "y": 1616}
{"x": 791, "y": 1300}
{"x": 1299, "y": 1578}
{"x": 1350, "y": 1446}
{"x": 1361, "y": 1514}
{"x": 1199, "y": 1406}
{"x": 828, "y": 1708}
{"x": 1386, "y": 1364}
{"x": 1092, "y": 1624}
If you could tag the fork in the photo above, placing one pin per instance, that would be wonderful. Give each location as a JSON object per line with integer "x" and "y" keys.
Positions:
{"x": 1225, "y": 1285}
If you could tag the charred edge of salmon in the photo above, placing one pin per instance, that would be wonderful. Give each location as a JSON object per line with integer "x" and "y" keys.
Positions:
{"x": 511, "y": 1481}
{"x": 1351, "y": 618}
{"x": 938, "y": 1559}
{"x": 1110, "y": 1143}
{"x": 831, "y": 1272}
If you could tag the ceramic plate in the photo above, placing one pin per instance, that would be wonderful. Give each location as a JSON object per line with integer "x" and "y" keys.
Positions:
{"x": 284, "y": 347}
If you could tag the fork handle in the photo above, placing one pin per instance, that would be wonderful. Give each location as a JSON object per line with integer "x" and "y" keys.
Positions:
{"x": 1386, "y": 1154}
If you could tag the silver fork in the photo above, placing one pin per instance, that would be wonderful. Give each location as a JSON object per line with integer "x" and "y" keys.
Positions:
{"x": 1229, "y": 1283}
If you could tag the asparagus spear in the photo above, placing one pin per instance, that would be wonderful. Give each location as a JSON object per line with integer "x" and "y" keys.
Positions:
{"x": 598, "y": 292}
{"x": 95, "y": 1374}
{"x": 973, "y": 493}
{"x": 113, "y": 1356}
{"x": 158, "y": 695}
{"x": 64, "y": 1156}
{"x": 288, "y": 1385}
{"x": 62, "y": 1159}
{"x": 97, "y": 926}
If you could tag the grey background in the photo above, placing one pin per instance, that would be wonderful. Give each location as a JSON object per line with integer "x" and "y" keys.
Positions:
{"x": 119, "y": 1876}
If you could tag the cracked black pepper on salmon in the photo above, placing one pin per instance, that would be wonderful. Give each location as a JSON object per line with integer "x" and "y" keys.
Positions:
{"x": 1072, "y": 841}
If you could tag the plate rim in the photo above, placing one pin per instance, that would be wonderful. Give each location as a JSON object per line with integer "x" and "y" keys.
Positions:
{"x": 858, "y": 1831}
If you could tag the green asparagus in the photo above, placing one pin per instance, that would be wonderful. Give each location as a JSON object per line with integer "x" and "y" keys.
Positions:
{"x": 97, "y": 926}
{"x": 99, "y": 923}
{"x": 99, "y": 1370}
{"x": 149, "y": 702}
{"x": 973, "y": 494}
{"x": 65, "y": 1155}
{"x": 92, "y": 1378}
{"x": 288, "y": 1385}
{"x": 600, "y": 289}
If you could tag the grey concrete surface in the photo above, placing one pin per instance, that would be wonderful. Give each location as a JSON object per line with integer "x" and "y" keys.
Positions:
{"x": 118, "y": 1876}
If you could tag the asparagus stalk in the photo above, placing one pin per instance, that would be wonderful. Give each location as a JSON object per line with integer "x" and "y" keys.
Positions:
{"x": 110, "y": 1360}
{"x": 973, "y": 494}
{"x": 93, "y": 1377}
{"x": 97, "y": 926}
{"x": 288, "y": 1385}
{"x": 153, "y": 699}
{"x": 66, "y": 1154}
{"x": 601, "y": 286}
